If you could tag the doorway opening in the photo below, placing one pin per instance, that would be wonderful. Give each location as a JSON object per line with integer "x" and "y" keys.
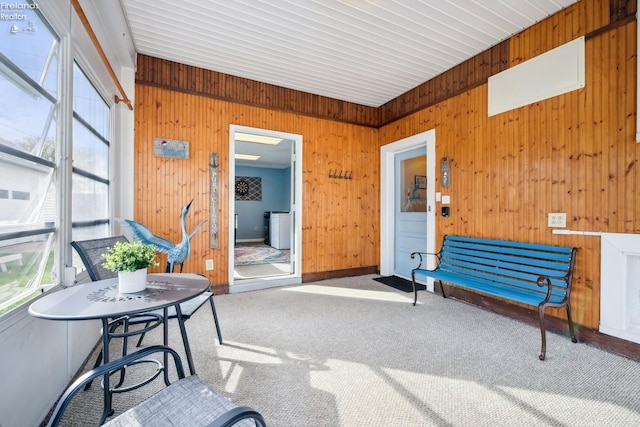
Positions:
{"x": 264, "y": 208}
{"x": 391, "y": 194}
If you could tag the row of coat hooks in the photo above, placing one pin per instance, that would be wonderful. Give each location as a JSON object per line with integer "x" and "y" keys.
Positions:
{"x": 346, "y": 175}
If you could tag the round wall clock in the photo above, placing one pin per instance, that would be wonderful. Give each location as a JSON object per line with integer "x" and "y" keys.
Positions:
{"x": 242, "y": 187}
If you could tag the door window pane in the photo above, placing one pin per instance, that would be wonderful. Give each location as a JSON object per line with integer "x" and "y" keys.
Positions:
{"x": 413, "y": 183}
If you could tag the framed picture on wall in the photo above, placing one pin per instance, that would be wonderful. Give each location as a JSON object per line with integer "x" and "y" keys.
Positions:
{"x": 421, "y": 181}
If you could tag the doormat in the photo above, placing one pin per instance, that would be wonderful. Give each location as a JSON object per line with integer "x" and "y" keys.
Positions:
{"x": 399, "y": 283}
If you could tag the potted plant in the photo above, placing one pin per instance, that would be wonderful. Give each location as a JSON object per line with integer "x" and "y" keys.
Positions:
{"x": 130, "y": 260}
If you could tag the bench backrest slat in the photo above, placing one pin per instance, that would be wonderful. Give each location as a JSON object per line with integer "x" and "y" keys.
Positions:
{"x": 507, "y": 277}
{"x": 509, "y": 243}
{"x": 556, "y": 267}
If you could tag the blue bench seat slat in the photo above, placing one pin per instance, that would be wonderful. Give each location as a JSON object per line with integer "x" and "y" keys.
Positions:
{"x": 530, "y": 297}
{"x": 471, "y": 280}
{"x": 528, "y": 273}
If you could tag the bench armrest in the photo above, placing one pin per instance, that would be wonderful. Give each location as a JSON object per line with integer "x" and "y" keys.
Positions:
{"x": 546, "y": 281}
{"x": 419, "y": 254}
{"x": 108, "y": 368}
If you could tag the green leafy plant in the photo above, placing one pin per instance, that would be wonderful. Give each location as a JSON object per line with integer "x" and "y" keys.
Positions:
{"x": 125, "y": 256}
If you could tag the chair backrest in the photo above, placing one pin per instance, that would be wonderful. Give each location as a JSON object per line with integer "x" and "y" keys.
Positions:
{"x": 91, "y": 251}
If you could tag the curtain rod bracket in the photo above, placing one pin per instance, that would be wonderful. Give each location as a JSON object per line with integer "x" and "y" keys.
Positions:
{"x": 125, "y": 100}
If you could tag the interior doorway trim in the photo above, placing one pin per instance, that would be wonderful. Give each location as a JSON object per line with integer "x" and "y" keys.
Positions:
{"x": 387, "y": 197}
{"x": 296, "y": 208}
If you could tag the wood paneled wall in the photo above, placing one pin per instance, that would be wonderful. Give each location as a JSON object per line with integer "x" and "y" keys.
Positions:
{"x": 574, "y": 153}
{"x": 183, "y": 78}
{"x": 340, "y": 224}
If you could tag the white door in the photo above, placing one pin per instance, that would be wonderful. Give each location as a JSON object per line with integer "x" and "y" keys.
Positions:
{"x": 410, "y": 208}
{"x": 291, "y": 231}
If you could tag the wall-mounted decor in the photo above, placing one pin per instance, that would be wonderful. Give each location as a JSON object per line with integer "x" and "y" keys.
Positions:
{"x": 248, "y": 188}
{"x": 173, "y": 148}
{"x": 445, "y": 172}
{"x": 213, "y": 208}
{"x": 421, "y": 181}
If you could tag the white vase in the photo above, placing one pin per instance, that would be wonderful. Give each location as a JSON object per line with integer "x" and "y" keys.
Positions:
{"x": 132, "y": 281}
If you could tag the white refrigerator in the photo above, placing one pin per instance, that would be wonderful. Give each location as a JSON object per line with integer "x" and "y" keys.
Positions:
{"x": 280, "y": 230}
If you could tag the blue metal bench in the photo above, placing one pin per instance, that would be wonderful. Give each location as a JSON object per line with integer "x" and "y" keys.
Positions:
{"x": 527, "y": 273}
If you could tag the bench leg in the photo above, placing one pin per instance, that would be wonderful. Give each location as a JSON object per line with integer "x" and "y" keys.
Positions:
{"x": 415, "y": 290}
{"x": 442, "y": 289}
{"x": 571, "y": 329}
{"x": 543, "y": 350}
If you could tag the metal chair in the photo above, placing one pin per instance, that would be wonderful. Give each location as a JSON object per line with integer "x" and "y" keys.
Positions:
{"x": 90, "y": 252}
{"x": 189, "y": 401}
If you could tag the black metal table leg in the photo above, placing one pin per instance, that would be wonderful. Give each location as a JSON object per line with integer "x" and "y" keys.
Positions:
{"x": 185, "y": 340}
{"x": 107, "y": 411}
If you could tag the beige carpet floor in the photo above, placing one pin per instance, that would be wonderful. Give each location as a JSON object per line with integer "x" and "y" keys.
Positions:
{"x": 353, "y": 352}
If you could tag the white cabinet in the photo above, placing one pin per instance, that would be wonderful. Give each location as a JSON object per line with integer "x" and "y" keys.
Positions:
{"x": 280, "y": 230}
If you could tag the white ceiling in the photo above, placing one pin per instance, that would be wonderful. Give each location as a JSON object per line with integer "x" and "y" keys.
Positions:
{"x": 271, "y": 156}
{"x": 363, "y": 51}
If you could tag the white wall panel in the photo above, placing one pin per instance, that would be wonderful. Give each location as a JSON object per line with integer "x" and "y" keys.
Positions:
{"x": 553, "y": 73}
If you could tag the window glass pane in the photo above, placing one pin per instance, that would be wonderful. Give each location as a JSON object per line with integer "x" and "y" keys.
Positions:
{"x": 413, "y": 183}
{"x": 89, "y": 105}
{"x": 26, "y": 264}
{"x": 87, "y": 233}
{"x": 28, "y": 184}
{"x": 24, "y": 118}
{"x": 90, "y": 199}
{"x": 91, "y": 135}
{"x": 29, "y": 44}
{"x": 90, "y": 153}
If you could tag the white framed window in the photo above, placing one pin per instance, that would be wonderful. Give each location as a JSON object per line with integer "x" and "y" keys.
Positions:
{"x": 32, "y": 171}
{"x": 29, "y": 52}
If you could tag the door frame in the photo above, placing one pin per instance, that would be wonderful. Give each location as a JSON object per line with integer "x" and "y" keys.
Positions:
{"x": 296, "y": 207}
{"x": 387, "y": 199}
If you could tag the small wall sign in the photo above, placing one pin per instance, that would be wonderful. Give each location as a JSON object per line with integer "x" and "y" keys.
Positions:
{"x": 175, "y": 149}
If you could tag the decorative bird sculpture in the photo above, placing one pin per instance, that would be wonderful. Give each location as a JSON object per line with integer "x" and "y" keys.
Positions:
{"x": 176, "y": 253}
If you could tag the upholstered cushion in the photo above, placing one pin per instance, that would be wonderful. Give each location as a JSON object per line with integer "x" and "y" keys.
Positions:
{"x": 187, "y": 402}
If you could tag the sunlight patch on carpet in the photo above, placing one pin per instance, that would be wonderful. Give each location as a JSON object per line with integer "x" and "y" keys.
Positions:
{"x": 350, "y": 293}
